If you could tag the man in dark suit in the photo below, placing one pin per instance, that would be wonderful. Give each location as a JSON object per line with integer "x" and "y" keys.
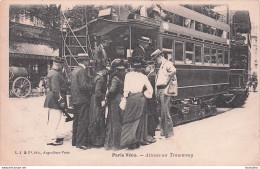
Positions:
{"x": 140, "y": 50}
{"x": 80, "y": 98}
{"x": 56, "y": 90}
{"x": 153, "y": 118}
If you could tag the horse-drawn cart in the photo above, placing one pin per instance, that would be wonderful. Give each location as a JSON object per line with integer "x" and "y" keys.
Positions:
{"x": 19, "y": 84}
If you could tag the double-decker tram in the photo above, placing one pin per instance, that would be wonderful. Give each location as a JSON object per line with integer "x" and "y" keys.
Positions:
{"x": 194, "y": 37}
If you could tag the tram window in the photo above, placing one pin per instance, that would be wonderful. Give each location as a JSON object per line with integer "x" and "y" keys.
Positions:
{"x": 206, "y": 29}
{"x": 189, "y": 52}
{"x": 179, "y": 20}
{"x": 207, "y": 55}
{"x": 213, "y": 56}
{"x": 198, "y": 26}
{"x": 197, "y": 53}
{"x": 167, "y": 43}
{"x": 189, "y": 46}
{"x": 219, "y": 32}
{"x": 178, "y": 51}
{"x": 213, "y": 31}
{"x": 188, "y": 23}
{"x": 220, "y": 57}
{"x": 167, "y": 48}
{"x": 226, "y": 57}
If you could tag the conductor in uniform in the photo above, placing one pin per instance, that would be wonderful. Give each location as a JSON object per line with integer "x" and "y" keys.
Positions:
{"x": 140, "y": 50}
{"x": 55, "y": 102}
{"x": 80, "y": 98}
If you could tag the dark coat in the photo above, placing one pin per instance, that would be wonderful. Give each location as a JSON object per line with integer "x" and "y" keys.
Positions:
{"x": 56, "y": 86}
{"x": 139, "y": 52}
{"x": 80, "y": 86}
{"x": 96, "y": 112}
{"x": 113, "y": 125}
{"x": 153, "y": 118}
{"x": 116, "y": 87}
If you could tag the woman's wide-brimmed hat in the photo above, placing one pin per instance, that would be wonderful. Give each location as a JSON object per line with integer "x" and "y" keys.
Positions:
{"x": 118, "y": 64}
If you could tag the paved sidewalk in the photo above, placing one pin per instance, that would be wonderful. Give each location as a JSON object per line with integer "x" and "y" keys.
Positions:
{"x": 230, "y": 138}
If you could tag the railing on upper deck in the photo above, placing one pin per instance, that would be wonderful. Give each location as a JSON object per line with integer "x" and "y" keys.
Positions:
{"x": 144, "y": 19}
{"x": 202, "y": 9}
{"x": 181, "y": 17}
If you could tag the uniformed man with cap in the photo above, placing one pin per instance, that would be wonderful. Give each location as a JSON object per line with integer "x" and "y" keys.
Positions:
{"x": 80, "y": 97}
{"x": 166, "y": 73}
{"x": 55, "y": 102}
{"x": 140, "y": 50}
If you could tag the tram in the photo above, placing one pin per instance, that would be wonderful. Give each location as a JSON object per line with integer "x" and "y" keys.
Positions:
{"x": 195, "y": 38}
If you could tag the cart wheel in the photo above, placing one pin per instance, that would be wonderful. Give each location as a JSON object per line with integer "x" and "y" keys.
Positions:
{"x": 21, "y": 87}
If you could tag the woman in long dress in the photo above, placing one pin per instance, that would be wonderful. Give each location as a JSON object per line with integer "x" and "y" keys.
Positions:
{"x": 134, "y": 123}
{"x": 114, "y": 96}
{"x": 97, "y": 109}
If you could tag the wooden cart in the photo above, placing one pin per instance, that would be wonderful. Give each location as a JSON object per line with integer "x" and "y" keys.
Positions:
{"x": 19, "y": 84}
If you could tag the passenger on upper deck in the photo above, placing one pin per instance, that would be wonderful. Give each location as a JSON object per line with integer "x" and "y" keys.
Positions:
{"x": 156, "y": 13}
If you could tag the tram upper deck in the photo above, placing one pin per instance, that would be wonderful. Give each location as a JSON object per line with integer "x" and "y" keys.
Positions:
{"x": 193, "y": 34}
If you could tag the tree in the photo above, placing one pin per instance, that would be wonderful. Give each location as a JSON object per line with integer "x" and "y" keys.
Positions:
{"x": 50, "y": 15}
{"x": 80, "y": 15}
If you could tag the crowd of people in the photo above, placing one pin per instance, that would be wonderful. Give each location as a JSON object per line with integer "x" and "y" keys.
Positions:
{"x": 137, "y": 99}
{"x": 252, "y": 82}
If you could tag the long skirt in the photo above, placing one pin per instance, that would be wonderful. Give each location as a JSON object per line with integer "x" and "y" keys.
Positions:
{"x": 113, "y": 126}
{"x": 97, "y": 126}
{"x": 134, "y": 124}
{"x": 80, "y": 134}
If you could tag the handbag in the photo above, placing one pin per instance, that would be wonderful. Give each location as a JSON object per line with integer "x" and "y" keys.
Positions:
{"x": 172, "y": 87}
{"x": 122, "y": 104}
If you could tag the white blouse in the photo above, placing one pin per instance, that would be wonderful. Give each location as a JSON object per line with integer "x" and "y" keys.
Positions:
{"x": 135, "y": 82}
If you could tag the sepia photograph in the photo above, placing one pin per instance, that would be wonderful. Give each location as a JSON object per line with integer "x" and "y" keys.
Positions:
{"x": 129, "y": 83}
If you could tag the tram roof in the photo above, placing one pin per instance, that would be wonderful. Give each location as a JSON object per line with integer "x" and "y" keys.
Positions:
{"x": 96, "y": 27}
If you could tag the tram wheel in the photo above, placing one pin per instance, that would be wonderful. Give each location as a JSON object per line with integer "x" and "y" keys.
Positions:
{"x": 233, "y": 101}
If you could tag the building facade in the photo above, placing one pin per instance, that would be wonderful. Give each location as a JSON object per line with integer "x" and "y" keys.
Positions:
{"x": 254, "y": 49}
{"x": 29, "y": 49}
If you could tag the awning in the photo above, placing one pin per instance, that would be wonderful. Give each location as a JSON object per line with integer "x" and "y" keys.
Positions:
{"x": 33, "y": 49}
{"x": 30, "y": 56}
